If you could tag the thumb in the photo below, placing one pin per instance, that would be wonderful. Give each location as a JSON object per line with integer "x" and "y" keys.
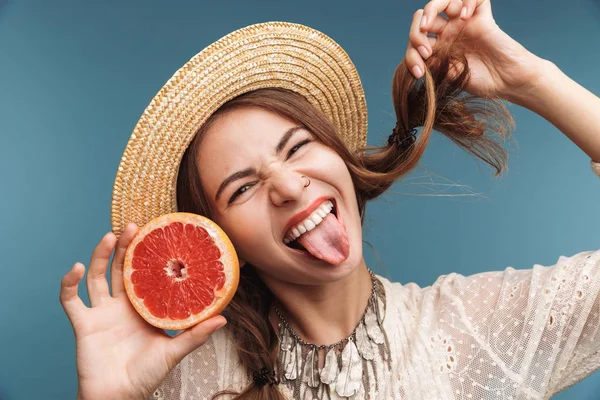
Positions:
{"x": 194, "y": 337}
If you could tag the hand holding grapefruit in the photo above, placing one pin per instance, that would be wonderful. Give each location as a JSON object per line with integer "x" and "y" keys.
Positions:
{"x": 119, "y": 355}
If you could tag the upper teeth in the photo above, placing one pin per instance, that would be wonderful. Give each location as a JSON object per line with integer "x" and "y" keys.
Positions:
{"x": 309, "y": 223}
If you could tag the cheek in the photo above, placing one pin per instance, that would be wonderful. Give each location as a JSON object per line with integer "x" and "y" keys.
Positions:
{"x": 330, "y": 167}
{"x": 246, "y": 229}
{"x": 327, "y": 160}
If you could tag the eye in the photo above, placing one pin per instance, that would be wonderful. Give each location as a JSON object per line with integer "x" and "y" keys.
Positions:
{"x": 239, "y": 192}
{"x": 297, "y": 147}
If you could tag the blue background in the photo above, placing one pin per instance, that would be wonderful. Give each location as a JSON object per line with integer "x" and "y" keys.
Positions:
{"x": 76, "y": 75}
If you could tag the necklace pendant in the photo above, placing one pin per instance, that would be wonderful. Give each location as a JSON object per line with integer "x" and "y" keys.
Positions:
{"x": 363, "y": 343}
{"x": 373, "y": 328}
{"x": 310, "y": 375}
{"x": 349, "y": 379}
{"x": 286, "y": 339}
{"x": 292, "y": 362}
{"x": 330, "y": 370}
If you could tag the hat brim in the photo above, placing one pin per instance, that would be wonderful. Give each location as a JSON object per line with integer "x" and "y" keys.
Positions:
{"x": 266, "y": 55}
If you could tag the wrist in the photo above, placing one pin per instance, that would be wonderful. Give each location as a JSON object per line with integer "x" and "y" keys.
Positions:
{"x": 530, "y": 95}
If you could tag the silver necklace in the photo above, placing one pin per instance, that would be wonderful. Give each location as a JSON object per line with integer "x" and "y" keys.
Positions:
{"x": 342, "y": 375}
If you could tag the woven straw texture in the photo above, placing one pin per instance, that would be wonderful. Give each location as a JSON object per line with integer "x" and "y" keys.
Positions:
{"x": 272, "y": 54}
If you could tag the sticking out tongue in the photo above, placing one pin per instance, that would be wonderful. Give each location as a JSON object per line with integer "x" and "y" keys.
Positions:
{"x": 328, "y": 241}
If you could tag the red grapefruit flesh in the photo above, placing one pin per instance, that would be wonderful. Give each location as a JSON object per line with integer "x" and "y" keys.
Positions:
{"x": 180, "y": 269}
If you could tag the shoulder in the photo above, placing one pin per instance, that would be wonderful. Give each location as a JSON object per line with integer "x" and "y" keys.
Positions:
{"x": 544, "y": 319}
{"x": 399, "y": 291}
{"x": 573, "y": 274}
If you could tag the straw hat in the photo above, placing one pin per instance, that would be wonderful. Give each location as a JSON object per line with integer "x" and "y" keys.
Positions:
{"x": 272, "y": 54}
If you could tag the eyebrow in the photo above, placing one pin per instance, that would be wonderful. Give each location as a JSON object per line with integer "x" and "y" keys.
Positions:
{"x": 252, "y": 171}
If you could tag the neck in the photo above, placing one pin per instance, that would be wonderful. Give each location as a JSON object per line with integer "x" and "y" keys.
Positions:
{"x": 327, "y": 313}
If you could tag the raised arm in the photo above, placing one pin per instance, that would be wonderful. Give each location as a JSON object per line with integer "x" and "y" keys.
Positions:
{"x": 500, "y": 67}
{"x": 573, "y": 109}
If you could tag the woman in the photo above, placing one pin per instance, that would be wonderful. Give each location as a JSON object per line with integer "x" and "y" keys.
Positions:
{"x": 263, "y": 159}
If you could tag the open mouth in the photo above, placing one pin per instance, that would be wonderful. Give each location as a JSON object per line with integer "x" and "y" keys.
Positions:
{"x": 291, "y": 239}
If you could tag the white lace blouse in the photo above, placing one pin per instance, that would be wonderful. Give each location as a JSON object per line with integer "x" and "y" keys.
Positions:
{"x": 512, "y": 334}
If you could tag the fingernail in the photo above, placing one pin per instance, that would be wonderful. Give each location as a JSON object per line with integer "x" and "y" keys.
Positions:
{"x": 463, "y": 12}
{"x": 423, "y": 50}
{"x": 417, "y": 72}
{"x": 423, "y": 21}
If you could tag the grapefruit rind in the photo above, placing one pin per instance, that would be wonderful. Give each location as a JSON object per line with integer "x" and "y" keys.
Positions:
{"x": 228, "y": 257}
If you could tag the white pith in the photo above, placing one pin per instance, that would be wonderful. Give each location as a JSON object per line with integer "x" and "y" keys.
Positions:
{"x": 309, "y": 223}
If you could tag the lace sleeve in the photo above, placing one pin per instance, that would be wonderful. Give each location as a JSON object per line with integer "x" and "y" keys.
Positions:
{"x": 580, "y": 345}
{"x": 194, "y": 377}
{"x": 213, "y": 367}
{"x": 518, "y": 333}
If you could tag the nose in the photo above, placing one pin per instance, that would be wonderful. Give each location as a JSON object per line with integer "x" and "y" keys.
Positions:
{"x": 287, "y": 186}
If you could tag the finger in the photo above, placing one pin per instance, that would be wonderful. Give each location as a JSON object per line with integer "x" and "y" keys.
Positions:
{"x": 116, "y": 269}
{"x": 414, "y": 61}
{"x": 468, "y": 8}
{"x": 417, "y": 38}
{"x": 432, "y": 40}
{"x": 438, "y": 25}
{"x": 97, "y": 285}
{"x": 190, "y": 339}
{"x": 69, "y": 286}
{"x": 435, "y": 7}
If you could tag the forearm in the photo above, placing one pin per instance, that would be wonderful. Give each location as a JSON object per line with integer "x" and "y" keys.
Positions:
{"x": 574, "y": 110}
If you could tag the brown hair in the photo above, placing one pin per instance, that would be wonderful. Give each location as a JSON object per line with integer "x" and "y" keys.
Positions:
{"x": 438, "y": 101}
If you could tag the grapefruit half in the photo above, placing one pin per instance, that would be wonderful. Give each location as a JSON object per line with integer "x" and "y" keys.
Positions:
{"x": 180, "y": 269}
